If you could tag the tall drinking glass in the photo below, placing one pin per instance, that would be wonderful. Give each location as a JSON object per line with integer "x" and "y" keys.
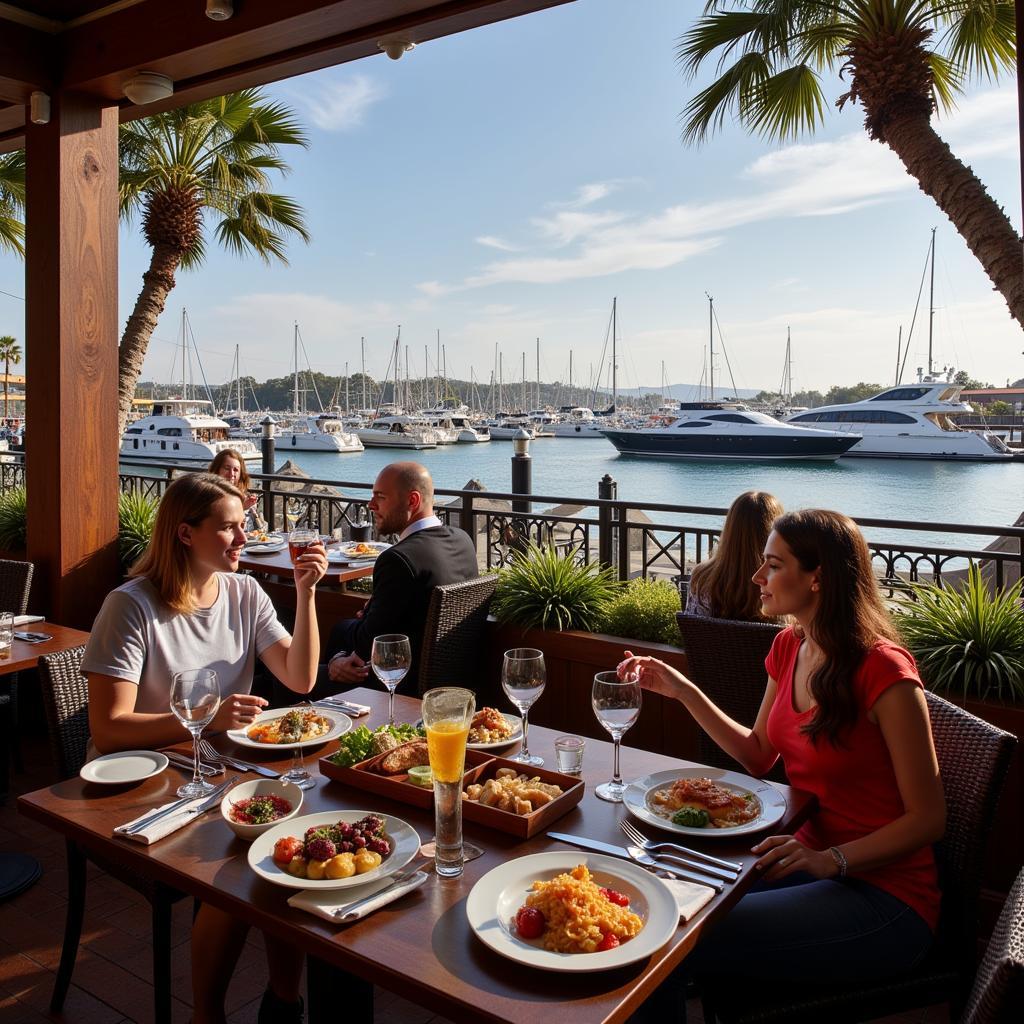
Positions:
{"x": 617, "y": 706}
{"x": 391, "y": 657}
{"x": 195, "y": 698}
{"x": 294, "y": 510}
{"x": 297, "y": 774}
{"x": 522, "y": 678}
{"x": 447, "y": 715}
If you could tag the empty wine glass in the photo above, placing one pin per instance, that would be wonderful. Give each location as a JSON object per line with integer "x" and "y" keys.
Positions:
{"x": 297, "y": 773}
{"x": 522, "y": 678}
{"x": 391, "y": 657}
{"x": 294, "y": 510}
{"x": 195, "y": 698}
{"x": 617, "y": 706}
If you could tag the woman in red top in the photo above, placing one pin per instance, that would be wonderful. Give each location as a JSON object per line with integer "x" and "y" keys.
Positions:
{"x": 854, "y": 892}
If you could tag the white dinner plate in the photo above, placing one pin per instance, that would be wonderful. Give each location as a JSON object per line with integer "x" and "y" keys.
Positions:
{"x": 350, "y": 550}
{"x": 494, "y": 900}
{"x": 517, "y": 734}
{"x": 636, "y": 800}
{"x": 405, "y": 844}
{"x": 342, "y": 724}
{"x": 124, "y": 766}
{"x": 269, "y": 547}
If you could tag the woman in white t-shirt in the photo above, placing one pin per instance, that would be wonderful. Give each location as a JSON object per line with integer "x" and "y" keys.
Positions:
{"x": 184, "y": 608}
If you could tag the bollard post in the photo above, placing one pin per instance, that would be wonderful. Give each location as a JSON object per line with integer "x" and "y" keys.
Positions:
{"x": 267, "y": 447}
{"x": 522, "y": 470}
{"x": 607, "y": 489}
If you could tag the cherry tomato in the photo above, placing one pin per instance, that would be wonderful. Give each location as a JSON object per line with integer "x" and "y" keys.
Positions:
{"x": 285, "y": 848}
{"x": 530, "y": 923}
{"x": 610, "y": 941}
{"x": 618, "y": 898}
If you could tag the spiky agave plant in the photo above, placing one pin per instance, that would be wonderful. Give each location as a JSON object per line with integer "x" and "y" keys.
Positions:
{"x": 136, "y": 516}
{"x": 541, "y": 589}
{"x": 13, "y": 519}
{"x": 969, "y": 641}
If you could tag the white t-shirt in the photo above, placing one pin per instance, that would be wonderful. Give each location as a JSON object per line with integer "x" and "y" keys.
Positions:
{"x": 137, "y": 637}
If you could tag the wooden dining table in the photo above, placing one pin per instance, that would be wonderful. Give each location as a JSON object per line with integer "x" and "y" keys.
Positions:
{"x": 421, "y": 945}
{"x": 279, "y": 563}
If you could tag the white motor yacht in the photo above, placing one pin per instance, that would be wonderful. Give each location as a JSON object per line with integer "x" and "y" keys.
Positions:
{"x": 398, "y": 431}
{"x": 324, "y": 433}
{"x": 910, "y": 421}
{"x": 579, "y": 422}
{"x": 505, "y": 428}
{"x": 543, "y": 422}
{"x": 729, "y": 431}
{"x": 182, "y": 430}
{"x": 454, "y": 421}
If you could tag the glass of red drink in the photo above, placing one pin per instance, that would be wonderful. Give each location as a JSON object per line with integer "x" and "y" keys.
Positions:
{"x": 299, "y": 541}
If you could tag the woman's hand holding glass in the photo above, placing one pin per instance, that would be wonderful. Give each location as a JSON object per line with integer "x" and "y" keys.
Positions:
{"x": 310, "y": 567}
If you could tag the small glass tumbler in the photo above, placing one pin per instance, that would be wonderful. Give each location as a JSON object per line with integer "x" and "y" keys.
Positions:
{"x": 6, "y": 635}
{"x": 569, "y": 754}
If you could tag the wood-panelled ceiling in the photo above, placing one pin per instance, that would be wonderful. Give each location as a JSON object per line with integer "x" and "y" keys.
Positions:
{"x": 93, "y": 46}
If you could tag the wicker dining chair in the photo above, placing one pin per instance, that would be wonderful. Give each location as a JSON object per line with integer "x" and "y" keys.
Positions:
{"x": 973, "y": 760}
{"x": 65, "y": 699}
{"x": 15, "y": 584}
{"x": 726, "y": 660}
{"x": 453, "y": 636}
{"x": 998, "y": 993}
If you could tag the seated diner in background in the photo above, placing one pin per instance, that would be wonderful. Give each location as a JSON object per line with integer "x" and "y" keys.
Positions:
{"x": 186, "y": 606}
{"x": 228, "y": 464}
{"x": 720, "y": 586}
{"x": 854, "y": 893}
{"x": 428, "y": 554}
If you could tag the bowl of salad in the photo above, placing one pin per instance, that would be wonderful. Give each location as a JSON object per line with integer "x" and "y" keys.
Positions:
{"x": 250, "y": 808}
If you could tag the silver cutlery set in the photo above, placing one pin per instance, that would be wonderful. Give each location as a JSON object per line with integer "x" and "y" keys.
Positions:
{"x": 141, "y": 824}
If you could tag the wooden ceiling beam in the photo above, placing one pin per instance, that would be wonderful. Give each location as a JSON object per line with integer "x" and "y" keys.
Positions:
{"x": 26, "y": 62}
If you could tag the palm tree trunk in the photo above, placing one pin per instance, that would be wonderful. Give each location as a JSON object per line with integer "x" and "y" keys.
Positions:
{"x": 960, "y": 195}
{"x": 157, "y": 283}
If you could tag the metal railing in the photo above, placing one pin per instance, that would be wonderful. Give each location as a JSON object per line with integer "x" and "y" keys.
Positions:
{"x": 646, "y": 539}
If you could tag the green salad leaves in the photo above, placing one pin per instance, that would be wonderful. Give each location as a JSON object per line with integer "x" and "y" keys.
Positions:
{"x": 354, "y": 746}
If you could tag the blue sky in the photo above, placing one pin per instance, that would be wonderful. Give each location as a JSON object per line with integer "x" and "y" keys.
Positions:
{"x": 505, "y": 184}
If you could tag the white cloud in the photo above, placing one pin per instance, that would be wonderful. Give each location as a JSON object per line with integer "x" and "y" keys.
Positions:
{"x": 493, "y": 242}
{"x": 339, "y": 105}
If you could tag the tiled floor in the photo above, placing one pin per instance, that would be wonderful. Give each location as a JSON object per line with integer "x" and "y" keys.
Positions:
{"x": 112, "y": 983}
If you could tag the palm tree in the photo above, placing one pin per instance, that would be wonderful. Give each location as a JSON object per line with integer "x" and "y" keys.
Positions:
{"x": 12, "y": 202}
{"x": 10, "y": 352}
{"x": 903, "y": 59}
{"x": 208, "y": 159}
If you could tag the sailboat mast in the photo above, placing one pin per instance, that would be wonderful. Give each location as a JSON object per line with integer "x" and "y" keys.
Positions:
{"x": 347, "y": 381}
{"x": 295, "y": 347}
{"x": 931, "y": 306}
{"x": 538, "y": 373}
{"x": 362, "y": 350}
{"x": 711, "y": 333}
{"x": 615, "y": 361}
{"x": 525, "y": 403}
{"x": 184, "y": 356}
{"x": 572, "y": 397}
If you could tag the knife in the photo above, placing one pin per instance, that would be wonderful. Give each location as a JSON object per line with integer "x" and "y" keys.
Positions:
{"x": 186, "y": 764}
{"x": 693, "y": 875}
{"x": 143, "y": 823}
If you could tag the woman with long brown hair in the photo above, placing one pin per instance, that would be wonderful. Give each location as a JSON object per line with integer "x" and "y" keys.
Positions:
{"x": 720, "y": 586}
{"x": 854, "y": 892}
{"x": 227, "y": 463}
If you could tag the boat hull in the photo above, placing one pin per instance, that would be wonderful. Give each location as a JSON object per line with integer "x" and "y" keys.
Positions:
{"x": 319, "y": 443}
{"x": 729, "y": 447}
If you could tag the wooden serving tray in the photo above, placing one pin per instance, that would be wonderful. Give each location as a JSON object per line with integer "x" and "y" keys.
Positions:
{"x": 394, "y": 787}
{"x": 522, "y": 825}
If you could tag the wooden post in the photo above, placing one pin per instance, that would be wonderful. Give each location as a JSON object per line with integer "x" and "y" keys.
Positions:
{"x": 71, "y": 346}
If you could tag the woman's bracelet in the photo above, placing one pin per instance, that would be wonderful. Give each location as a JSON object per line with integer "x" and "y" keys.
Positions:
{"x": 840, "y": 858}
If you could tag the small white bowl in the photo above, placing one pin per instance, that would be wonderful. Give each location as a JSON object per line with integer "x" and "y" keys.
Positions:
{"x": 261, "y": 787}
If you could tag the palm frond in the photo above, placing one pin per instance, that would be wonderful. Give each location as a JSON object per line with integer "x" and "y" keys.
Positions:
{"x": 947, "y": 80}
{"x": 981, "y": 40}
{"x": 784, "y": 105}
{"x": 707, "y": 111}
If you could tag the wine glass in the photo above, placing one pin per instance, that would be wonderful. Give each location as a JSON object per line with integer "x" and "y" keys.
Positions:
{"x": 522, "y": 679}
{"x": 195, "y": 698}
{"x": 391, "y": 657}
{"x": 294, "y": 510}
{"x": 617, "y": 706}
{"x": 297, "y": 773}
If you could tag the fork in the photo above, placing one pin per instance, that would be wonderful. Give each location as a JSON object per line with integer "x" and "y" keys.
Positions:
{"x": 207, "y": 750}
{"x": 648, "y": 861}
{"x": 651, "y": 846}
{"x": 400, "y": 878}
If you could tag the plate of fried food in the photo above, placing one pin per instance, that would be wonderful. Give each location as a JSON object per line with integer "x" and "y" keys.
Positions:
{"x": 706, "y": 802}
{"x": 492, "y": 729}
{"x": 260, "y": 542}
{"x": 357, "y": 551}
{"x": 333, "y": 849}
{"x": 288, "y": 728}
{"x": 572, "y": 912}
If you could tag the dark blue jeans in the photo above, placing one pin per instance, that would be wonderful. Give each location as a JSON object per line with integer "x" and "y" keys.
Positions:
{"x": 803, "y": 930}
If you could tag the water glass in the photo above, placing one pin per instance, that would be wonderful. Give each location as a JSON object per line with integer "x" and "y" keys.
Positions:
{"x": 195, "y": 698}
{"x": 391, "y": 658}
{"x": 522, "y": 678}
{"x": 299, "y": 541}
{"x": 6, "y": 635}
{"x": 617, "y": 706}
{"x": 569, "y": 754}
{"x": 447, "y": 715}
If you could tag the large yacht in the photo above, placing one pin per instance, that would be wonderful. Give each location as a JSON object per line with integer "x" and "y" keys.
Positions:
{"x": 721, "y": 430}
{"x": 911, "y": 421}
{"x": 579, "y": 422}
{"x": 182, "y": 430}
{"x": 324, "y": 433}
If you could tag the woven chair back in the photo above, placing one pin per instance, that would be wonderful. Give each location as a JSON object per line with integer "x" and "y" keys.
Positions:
{"x": 453, "y": 637}
{"x": 15, "y": 584}
{"x": 726, "y": 660}
{"x": 66, "y": 701}
{"x": 974, "y": 757}
{"x": 998, "y": 993}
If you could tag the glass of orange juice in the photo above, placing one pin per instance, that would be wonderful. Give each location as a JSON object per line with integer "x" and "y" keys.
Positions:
{"x": 447, "y": 715}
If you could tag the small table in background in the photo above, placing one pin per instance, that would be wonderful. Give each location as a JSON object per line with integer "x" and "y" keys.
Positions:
{"x": 280, "y": 564}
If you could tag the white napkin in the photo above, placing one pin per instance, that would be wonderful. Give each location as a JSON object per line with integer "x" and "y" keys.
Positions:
{"x": 163, "y": 826}
{"x": 328, "y": 904}
{"x": 24, "y": 620}
{"x": 353, "y": 710}
{"x": 690, "y": 896}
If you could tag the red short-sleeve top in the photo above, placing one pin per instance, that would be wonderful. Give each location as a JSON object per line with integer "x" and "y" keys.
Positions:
{"x": 855, "y": 782}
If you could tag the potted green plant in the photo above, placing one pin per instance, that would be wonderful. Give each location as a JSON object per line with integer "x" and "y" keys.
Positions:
{"x": 136, "y": 516}
{"x": 13, "y": 520}
{"x": 645, "y": 610}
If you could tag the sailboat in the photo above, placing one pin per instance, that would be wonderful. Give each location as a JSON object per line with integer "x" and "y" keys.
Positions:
{"x": 579, "y": 421}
